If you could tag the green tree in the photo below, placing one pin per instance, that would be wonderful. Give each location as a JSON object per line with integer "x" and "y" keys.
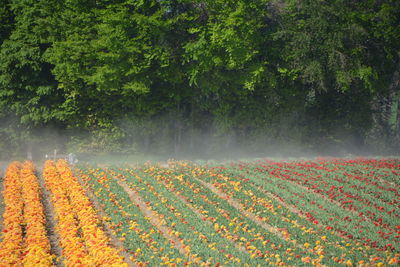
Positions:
{"x": 337, "y": 49}
{"x": 27, "y": 86}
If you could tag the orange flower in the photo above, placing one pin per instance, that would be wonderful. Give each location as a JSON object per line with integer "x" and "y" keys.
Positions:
{"x": 25, "y": 240}
{"x": 78, "y": 220}
{"x": 37, "y": 245}
{"x": 12, "y": 244}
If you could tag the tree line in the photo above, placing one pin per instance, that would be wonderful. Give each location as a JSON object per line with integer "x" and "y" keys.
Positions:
{"x": 200, "y": 75}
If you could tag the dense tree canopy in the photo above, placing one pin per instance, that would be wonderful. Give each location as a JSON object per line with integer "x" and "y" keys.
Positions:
{"x": 178, "y": 75}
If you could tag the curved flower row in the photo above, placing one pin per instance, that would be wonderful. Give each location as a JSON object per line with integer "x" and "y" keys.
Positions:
{"x": 83, "y": 241}
{"x": 238, "y": 223}
{"x": 142, "y": 239}
{"x": 326, "y": 187}
{"x": 183, "y": 221}
{"x": 244, "y": 214}
{"x": 25, "y": 241}
{"x": 294, "y": 187}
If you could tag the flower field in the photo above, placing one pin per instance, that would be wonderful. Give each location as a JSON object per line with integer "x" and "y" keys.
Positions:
{"x": 335, "y": 212}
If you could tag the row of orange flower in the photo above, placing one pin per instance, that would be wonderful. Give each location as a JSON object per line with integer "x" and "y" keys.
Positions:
{"x": 25, "y": 241}
{"x": 81, "y": 237}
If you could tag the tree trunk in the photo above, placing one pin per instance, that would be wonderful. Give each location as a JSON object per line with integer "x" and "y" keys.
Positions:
{"x": 394, "y": 97}
{"x": 177, "y": 130}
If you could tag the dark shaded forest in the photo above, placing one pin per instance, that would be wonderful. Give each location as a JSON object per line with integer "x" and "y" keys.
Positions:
{"x": 200, "y": 77}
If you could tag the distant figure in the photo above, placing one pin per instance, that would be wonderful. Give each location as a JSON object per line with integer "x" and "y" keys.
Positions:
{"x": 72, "y": 159}
{"x": 164, "y": 164}
{"x": 29, "y": 153}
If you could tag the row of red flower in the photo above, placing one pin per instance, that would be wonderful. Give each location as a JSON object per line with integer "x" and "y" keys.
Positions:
{"x": 344, "y": 188}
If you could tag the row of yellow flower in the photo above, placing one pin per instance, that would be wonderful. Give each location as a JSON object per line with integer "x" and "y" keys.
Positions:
{"x": 82, "y": 239}
{"x": 25, "y": 241}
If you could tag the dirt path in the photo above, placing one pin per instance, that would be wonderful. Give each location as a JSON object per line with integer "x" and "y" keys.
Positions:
{"x": 156, "y": 222}
{"x": 388, "y": 183}
{"x": 50, "y": 221}
{"x": 115, "y": 242}
{"x": 335, "y": 202}
{"x": 237, "y": 205}
{"x": 205, "y": 219}
{"x": 3, "y": 167}
{"x": 294, "y": 209}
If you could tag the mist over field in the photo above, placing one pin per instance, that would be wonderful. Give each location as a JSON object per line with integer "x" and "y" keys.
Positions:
{"x": 166, "y": 137}
{"x": 201, "y": 144}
